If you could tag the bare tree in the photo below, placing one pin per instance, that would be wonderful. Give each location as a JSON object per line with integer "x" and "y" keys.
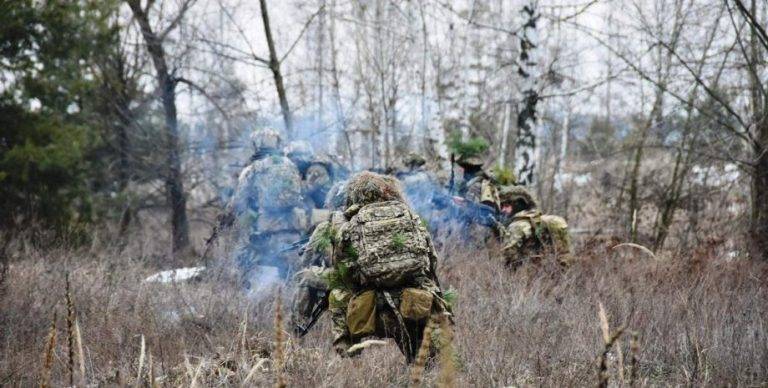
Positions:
{"x": 274, "y": 67}
{"x": 166, "y": 87}
{"x": 525, "y": 147}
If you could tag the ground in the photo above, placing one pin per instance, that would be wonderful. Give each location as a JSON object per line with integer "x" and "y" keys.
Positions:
{"x": 697, "y": 319}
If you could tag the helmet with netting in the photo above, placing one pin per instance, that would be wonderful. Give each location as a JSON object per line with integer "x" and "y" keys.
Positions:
{"x": 266, "y": 139}
{"x": 369, "y": 187}
{"x": 414, "y": 160}
{"x": 299, "y": 151}
{"x": 518, "y": 196}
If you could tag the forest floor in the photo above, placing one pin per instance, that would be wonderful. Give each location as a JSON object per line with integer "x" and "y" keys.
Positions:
{"x": 692, "y": 318}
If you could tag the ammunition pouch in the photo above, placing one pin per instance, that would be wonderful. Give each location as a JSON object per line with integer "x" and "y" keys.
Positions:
{"x": 416, "y": 304}
{"x": 361, "y": 314}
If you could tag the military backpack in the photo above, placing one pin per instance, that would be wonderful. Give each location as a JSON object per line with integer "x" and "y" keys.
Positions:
{"x": 389, "y": 246}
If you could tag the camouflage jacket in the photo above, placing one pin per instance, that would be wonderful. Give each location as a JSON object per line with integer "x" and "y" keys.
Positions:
{"x": 268, "y": 196}
{"x": 530, "y": 231}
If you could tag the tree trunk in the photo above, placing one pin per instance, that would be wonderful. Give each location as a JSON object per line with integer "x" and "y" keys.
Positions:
{"x": 174, "y": 186}
{"x": 339, "y": 109}
{"x": 274, "y": 66}
{"x": 760, "y": 192}
{"x": 526, "y": 120}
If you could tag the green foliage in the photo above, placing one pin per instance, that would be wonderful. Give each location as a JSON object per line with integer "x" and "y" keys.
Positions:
{"x": 42, "y": 177}
{"x": 48, "y": 125}
{"x": 326, "y": 238}
{"x": 339, "y": 278}
{"x": 351, "y": 252}
{"x": 450, "y": 296}
{"x": 472, "y": 147}
{"x": 398, "y": 241}
{"x": 504, "y": 175}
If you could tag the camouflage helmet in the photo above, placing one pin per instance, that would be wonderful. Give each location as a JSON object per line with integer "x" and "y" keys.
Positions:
{"x": 299, "y": 150}
{"x": 413, "y": 160}
{"x": 472, "y": 161}
{"x": 517, "y": 196}
{"x": 266, "y": 138}
{"x": 337, "y": 196}
{"x": 369, "y": 187}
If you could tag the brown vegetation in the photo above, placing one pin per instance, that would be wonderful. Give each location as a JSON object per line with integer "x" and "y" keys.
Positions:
{"x": 699, "y": 320}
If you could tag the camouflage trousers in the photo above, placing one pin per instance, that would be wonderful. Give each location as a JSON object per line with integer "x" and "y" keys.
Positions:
{"x": 389, "y": 322}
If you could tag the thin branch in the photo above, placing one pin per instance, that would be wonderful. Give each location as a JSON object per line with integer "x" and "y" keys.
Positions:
{"x": 664, "y": 88}
{"x": 753, "y": 22}
{"x": 301, "y": 34}
{"x": 176, "y": 20}
{"x": 202, "y": 91}
{"x": 242, "y": 34}
{"x": 749, "y": 63}
{"x": 703, "y": 84}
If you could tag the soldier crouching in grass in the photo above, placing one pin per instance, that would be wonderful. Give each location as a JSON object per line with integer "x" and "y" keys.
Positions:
{"x": 527, "y": 234}
{"x": 384, "y": 282}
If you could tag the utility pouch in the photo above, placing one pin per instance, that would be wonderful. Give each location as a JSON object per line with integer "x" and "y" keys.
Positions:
{"x": 361, "y": 314}
{"x": 415, "y": 304}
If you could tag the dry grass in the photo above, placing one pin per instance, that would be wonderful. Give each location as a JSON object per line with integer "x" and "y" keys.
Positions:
{"x": 699, "y": 319}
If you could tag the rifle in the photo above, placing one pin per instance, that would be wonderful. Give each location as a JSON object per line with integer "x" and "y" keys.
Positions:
{"x": 317, "y": 311}
{"x": 226, "y": 220}
{"x": 470, "y": 211}
{"x": 296, "y": 245}
{"x": 259, "y": 239}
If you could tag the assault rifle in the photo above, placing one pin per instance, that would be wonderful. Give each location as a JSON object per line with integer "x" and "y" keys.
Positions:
{"x": 469, "y": 211}
{"x": 296, "y": 245}
{"x": 259, "y": 239}
{"x": 320, "y": 306}
{"x": 225, "y": 221}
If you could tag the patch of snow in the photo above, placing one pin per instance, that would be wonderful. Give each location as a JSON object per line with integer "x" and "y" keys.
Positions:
{"x": 176, "y": 275}
{"x": 713, "y": 176}
{"x": 567, "y": 179}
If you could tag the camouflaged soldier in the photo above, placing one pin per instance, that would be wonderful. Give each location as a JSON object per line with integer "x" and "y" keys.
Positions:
{"x": 478, "y": 186}
{"x": 526, "y": 234}
{"x": 418, "y": 184}
{"x": 316, "y": 172}
{"x": 312, "y": 281}
{"x": 384, "y": 282}
{"x": 267, "y": 204}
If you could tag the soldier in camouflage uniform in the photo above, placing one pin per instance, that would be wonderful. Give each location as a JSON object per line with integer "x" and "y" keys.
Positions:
{"x": 267, "y": 204}
{"x": 312, "y": 281}
{"x": 526, "y": 233}
{"x": 384, "y": 282}
{"x": 478, "y": 185}
{"x": 418, "y": 184}
{"x": 316, "y": 172}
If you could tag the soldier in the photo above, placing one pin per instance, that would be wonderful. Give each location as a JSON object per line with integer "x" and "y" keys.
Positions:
{"x": 418, "y": 184}
{"x": 384, "y": 282}
{"x": 526, "y": 233}
{"x": 316, "y": 172}
{"x": 311, "y": 293}
{"x": 267, "y": 206}
{"x": 478, "y": 186}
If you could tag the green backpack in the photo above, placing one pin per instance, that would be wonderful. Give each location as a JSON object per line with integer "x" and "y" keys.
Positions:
{"x": 390, "y": 246}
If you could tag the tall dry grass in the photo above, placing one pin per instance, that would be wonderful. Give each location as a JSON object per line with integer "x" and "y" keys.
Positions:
{"x": 699, "y": 319}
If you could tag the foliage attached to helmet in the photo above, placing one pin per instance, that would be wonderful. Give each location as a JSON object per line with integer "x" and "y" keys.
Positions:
{"x": 504, "y": 176}
{"x": 474, "y": 146}
{"x": 369, "y": 187}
